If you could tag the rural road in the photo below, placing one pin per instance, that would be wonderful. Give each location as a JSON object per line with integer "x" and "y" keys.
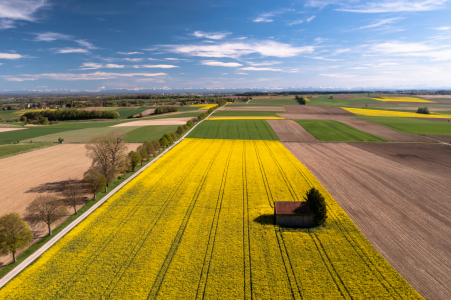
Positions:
{"x": 62, "y": 233}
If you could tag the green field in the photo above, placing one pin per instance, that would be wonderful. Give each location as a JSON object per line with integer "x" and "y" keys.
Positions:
{"x": 415, "y": 126}
{"x": 333, "y": 131}
{"x": 234, "y": 129}
{"x": 10, "y": 150}
{"x": 149, "y": 133}
{"x": 273, "y": 102}
{"x": 226, "y": 113}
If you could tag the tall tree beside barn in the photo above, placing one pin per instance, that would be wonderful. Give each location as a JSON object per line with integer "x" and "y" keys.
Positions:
{"x": 14, "y": 234}
{"x": 108, "y": 154}
{"x": 317, "y": 204}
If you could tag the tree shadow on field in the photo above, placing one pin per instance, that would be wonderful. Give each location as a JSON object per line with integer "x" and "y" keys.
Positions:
{"x": 52, "y": 187}
{"x": 266, "y": 219}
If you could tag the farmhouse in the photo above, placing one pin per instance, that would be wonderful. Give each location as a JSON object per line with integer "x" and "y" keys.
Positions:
{"x": 293, "y": 214}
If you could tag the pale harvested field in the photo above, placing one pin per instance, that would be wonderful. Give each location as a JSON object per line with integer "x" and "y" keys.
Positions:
{"x": 435, "y": 96}
{"x": 8, "y": 125}
{"x": 148, "y": 112}
{"x": 168, "y": 121}
{"x": 5, "y": 129}
{"x": 416, "y": 107}
{"x": 253, "y": 108}
{"x": 384, "y": 132}
{"x": 290, "y": 131}
{"x": 405, "y": 213}
{"x": 291, "y": 116}
{"x": 25, "y": 176}
{"x": 316, "y": 110}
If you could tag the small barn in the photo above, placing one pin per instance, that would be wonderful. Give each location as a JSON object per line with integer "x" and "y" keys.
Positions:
{"x": 293, "y": 214}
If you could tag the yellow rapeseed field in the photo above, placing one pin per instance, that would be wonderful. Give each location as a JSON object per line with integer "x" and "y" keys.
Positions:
{"x": 388, "y": 113}
{"x": 204, "y": 106}
{"x": 245, "y": 118}
{"x": 402, "y": 99}
{"x": 197, "y": 224}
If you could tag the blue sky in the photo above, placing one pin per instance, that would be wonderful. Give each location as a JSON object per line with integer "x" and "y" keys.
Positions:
{"x": 48, "y": 45}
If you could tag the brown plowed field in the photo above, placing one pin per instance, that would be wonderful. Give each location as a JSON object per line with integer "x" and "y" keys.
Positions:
{"x": 317, "y": 110}
{"x": 290, "y": 131}
{"x": 253, "y": 108}
{"x": 291, "y": 116}
{"x": 45, "y": 171}
{"x": 430, "y": 158}
{"x": 405, "y": 213}
{"x": 167, "y": 121}
{"x": 442, "y": 138}
{"x": 435, "y": 96}
{"x": 384, "y": 132}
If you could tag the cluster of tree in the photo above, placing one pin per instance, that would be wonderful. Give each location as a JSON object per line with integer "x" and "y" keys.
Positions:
{"x": 423, "y": 110}
{"x": 165, "y": 109}
{"x": 68, "y": 114}
{"x": 144, "y": 152}
{"x": 300, "y": 100}
{"x": 317, "y": 204}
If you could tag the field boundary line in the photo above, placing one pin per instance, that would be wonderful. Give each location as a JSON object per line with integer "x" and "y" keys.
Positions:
{"x": 29, "y": 260}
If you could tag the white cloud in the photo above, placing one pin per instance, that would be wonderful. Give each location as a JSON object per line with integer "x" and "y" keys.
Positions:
{"x": 296, "y": 22}
{"x": 71, "y": 76}
{"x": 241, "y": 73}
{"x": 133, "y": 59}
{"x": 338, "y": 75}
{"x": 91, "y": 66}
{"x": 6, "y": 24}
{"x": 130, "y": 53}
{"x": 443, "y": 28}
{"x": 380, "y": 23}
{"x": 211, "y": 35}
{"x": 340, "y": 51}
{"x": 174, "y": 59}
{"x": 235, "y": 50}
{"x": 260, "y": 69}
{"x": 85, "y": 44}
{"x": 310, "y": 19}
{"x": 1, "y": 64}
{"x": 357, "y": 68}
{"x": 388, "y": 6}
{"x": 323, "y": 58}
{"x": 414, "y": 50}
{"x": 220, "y": 63}
{"x": 51, "y": 36}
{"x": 155, "y": 66}
{"x": 71, "y": 50}
{"x": 20, "y": 9}
{"x": 10, "y": 56}
{"x": 262, "y": 20}
{"x": 224, "y": 73}
{"x": 264, "y": 63}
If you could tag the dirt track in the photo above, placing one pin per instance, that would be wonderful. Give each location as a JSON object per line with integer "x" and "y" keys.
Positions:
{"x": 253, "y": 108}
{"x": 5, "y": 129}
{"x": 442, "y": 138}
{"x": 44, "y": 171}
{"x": 405, "y": 213}
{"x": 384, "y": 132}
{"x": 317, "y": 110}
{"x": 290, "y": 131}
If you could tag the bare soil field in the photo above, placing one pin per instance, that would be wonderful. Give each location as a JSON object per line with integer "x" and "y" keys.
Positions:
{"x": 168, "y": 121}
{"x": 8, "y": 125}
{"x": 148, "y": 112}
{"x": 25, "y": 176}
{"x": 442, "y": 138}
{"x": 435, "y": 96}
{"x": 293, "y": 116}
{"x": 5, "y": 129}
{"x": 384, "y": 103}
{"x": 405, "y": 213}
{"x": 430, "y": 158}
{"x": 416, "y": 107}
{"x": 317, "y": 110}
{"x": 384, "y": 132}
{"x": 253, "y": 108}
{"x": 290, "y": 131}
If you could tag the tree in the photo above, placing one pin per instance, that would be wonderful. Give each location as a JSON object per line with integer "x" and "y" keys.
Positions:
{"x": 14, "y": 234}
{"x": 108, "y": 154}
{"x": 164, "y": 142}
{"x": 142, "y": 151}
{"x": 149, "y": 148}
{"x": 169, "y": 138}
{"x": 135, "y": 159}
{"x": 156, "y": 145}
{"x": 300, "y": 100}
{"x": 423, "y": 110}
{"x": 60, "y": 140}
{"x": 45, "y": 209}
{"x": 189, "y": 123}
{"x": 94, "y": 181}
{"x": 72, "y": 194}
{"x": 174, "y": 137}
{"x": 180, "y": 130}
{"x": 317, "y": 204}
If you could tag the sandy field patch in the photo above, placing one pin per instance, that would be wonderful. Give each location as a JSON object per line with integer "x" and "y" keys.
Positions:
{"x": 404, "y": 212}
{"x": 383, "y": 132}
{"x": 253, "y": 108}
{"x": 148, "y": 112}
{"x": 290, "y": 131}
{"x": 25, "y": 176}
{"x": 316, "y": 110}
{"x": 8, "y": 125}
{"x": 167, "y": 121}
{"x": 5, "y": 129}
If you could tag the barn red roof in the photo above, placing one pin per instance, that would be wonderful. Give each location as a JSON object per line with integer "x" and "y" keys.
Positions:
{"x": 292, "y": 208}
